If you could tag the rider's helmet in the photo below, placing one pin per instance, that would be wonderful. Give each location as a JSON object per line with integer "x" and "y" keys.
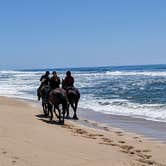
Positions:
{"x": 68, "y": 73}
{"x": 47, "y": 73}
{"x": 54, "y": 72}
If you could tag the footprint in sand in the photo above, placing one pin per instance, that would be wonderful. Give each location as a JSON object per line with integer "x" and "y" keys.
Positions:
{"x": 67, "y": 126}
{"x": 135, "y": 137}
{"x": 122, "y": 142}
{"x": 146, "y": 150}
{"x": 106, "y": 140}
{"x": 15, "y": 157}
{"x": 80, "y": 131}
{"x": 90, "y": 137}
{"x": 105, "y": 128}
{"x": 149, "y": 162}
{"x": 13, "y": 161}
{"x": 4, "y": 152}
{"x": 138, "y": 151}
{"x": 86, "y": 121}
{"x": 94, "y": 124}
{"x": 142, "y": 156}
{"x": 128, "y": 147}
{"x": 94, "y": 136}
{"x": 148, "y": 156}
{"x": 107, "y": 143}
{"x": 119, "y": 133}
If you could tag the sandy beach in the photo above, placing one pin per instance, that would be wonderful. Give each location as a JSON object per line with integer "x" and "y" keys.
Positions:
{"x": 29, "y": 139}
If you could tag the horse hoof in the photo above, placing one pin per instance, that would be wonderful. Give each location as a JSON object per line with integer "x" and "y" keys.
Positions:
{"x": 75, "y": 117}
{"x": 46, "y": 114}
{"x": 68, "y": 117}
{"x": 61, "y": 122}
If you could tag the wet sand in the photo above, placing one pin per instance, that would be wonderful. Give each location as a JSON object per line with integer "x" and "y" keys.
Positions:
{"x": 27, "y": 138}
{"x": 152, "y": 129}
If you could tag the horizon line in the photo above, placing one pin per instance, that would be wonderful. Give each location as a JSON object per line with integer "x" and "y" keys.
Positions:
{"x": 60, "y": 68}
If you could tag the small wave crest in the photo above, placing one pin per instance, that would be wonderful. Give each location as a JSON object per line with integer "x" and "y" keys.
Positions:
{"x": 135, "y": 73}
{"x": 154, "y": 112}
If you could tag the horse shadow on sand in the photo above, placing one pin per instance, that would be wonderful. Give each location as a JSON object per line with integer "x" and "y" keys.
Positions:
{"x": 43, "y": 118}
{"x": 47, "y": 120}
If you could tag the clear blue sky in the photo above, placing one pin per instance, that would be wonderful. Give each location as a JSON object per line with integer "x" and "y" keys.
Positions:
{"x": 73, "y": 33}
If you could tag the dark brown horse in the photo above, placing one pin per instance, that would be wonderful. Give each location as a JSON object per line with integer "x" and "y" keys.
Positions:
{"x": 56, "y": 98}
{"x": 41, "y": 92}
{"x": 73, "y": 96}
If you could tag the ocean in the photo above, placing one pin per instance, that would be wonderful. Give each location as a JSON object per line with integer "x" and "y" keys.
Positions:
{"x": 136, "y": 91}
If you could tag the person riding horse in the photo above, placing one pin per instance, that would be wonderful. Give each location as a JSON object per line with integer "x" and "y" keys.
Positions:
{"x": 68, "y": 81}
{"x": 73, "y": 94}
{"x": 53, "y": 96}
{"x": 54, "y": 81}
{"x": 44, "y": 82}
{"x": 56, "y": 96}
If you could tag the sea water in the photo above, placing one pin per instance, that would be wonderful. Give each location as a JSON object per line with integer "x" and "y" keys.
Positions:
{"x": 137, "y": 91}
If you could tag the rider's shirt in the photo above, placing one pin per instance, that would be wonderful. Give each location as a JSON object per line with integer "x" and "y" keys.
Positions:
{"x": 69, "y": 81}
{"x": 54, "y": 82}
{"x": 44, "y": 80}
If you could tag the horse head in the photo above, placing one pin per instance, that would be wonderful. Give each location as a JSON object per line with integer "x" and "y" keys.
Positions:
{"x": 43, "y": 91}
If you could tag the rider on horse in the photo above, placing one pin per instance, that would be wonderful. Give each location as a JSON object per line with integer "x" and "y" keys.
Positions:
{"x": 68, "y": 81}
{"x": 45, "y": 78}
{"x": 73, "y": 94}
{"x": 54, "y": 81}
{"x": 44, "y": 82}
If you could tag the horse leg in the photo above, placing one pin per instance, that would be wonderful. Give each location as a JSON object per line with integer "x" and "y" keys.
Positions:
{"x": 64, "y": 111}
{"x": 67, "y": 110}
{"x": 38, "y": 93}
{"x": 55, "y": 112}
{"x": 50, "y": 110}
{"x": 75, "y": 110}
{"x": 59, "y": 114}
{"x": 44, "y": 108}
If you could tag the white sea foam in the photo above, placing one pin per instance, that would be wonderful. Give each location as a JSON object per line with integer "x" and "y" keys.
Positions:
{"x": 132, "y": 73}
{"x": 156, "y": 112}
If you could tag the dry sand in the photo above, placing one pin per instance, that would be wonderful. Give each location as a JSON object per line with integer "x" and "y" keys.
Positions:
{"x": 29, "y": 139}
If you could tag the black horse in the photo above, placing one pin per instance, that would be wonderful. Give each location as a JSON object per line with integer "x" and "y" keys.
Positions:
{"x": 56, "y": 98}
{"x": 73, "y": 96}
{"x": 42, "y": 92}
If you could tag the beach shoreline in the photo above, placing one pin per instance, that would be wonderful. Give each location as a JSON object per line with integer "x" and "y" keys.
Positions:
{"x": 155, "y": 130}
{"x": 28, "y": 138}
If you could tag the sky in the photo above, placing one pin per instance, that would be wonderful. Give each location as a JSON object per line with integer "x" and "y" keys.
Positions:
{"x": 81, "y": 33}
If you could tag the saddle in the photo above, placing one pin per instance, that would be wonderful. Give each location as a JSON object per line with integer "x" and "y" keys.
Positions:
{"x": 59, "y": 92}
{"x": 73, "y": 90}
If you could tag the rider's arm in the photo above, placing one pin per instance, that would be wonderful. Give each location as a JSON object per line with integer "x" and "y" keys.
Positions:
{"x": 72, "y": 80}
{"x": 41, "y": 78}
